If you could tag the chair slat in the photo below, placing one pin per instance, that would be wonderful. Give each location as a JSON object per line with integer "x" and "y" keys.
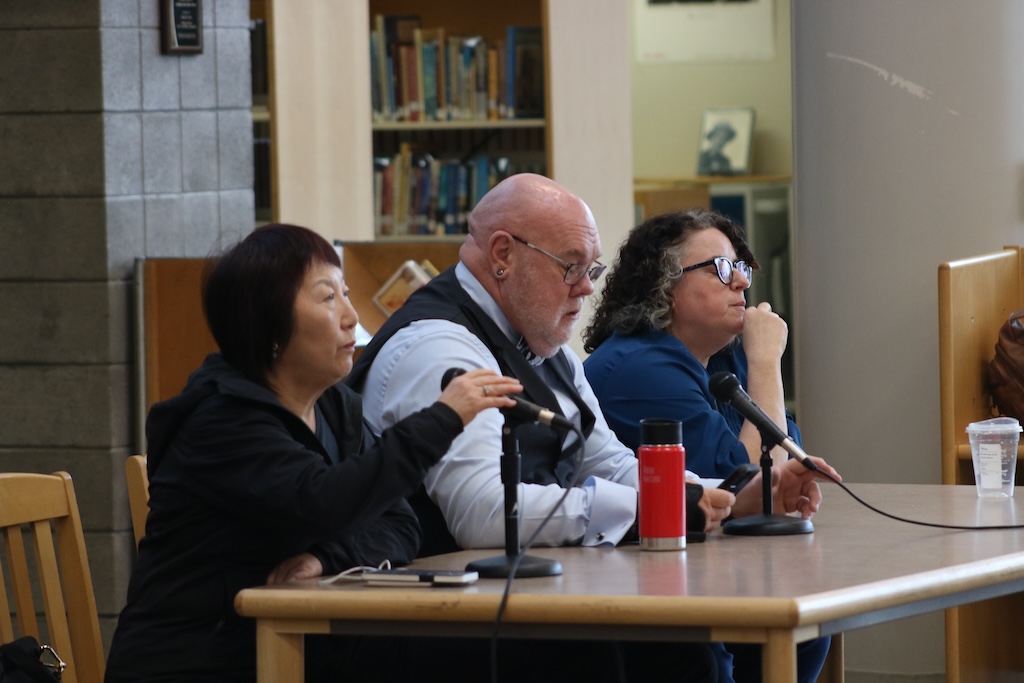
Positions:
{"x": 21, "y": 582}
{"x": 45, "y": 505}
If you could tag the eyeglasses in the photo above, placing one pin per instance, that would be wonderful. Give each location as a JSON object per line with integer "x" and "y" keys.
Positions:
{"x": 726, "y": 269}
{"x": 574, "y": 272}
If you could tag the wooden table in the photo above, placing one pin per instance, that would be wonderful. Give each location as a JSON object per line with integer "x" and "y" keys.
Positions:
{"x": 857, "y": 569}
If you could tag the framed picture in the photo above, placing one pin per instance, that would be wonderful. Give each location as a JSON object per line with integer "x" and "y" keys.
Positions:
{"x": 725, "y": 134}
{"x": 181, "y": 26}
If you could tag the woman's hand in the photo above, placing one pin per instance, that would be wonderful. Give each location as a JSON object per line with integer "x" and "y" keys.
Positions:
{"x": 794, "y": 489}
{"x": 765, "y": 334}
{"x": 304, "y": 566}
{"x": 469, "y": 393}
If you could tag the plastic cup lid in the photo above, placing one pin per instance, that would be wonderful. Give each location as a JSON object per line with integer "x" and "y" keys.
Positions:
{"x": 995, "y": 424}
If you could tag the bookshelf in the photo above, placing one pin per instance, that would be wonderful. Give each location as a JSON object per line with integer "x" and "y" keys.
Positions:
{"x": 323, "y": 137}
{"x": 368, "y": 265}
{"x": 457, "y": 100}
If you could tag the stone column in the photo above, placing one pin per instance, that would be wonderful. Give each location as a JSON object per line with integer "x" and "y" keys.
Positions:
{"x": 109, "y": 151}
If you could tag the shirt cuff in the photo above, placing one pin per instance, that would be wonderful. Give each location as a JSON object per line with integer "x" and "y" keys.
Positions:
{"x": 612, "y": 512}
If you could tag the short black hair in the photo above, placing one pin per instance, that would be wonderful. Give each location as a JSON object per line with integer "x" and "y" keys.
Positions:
{"x": 249, "y": 293}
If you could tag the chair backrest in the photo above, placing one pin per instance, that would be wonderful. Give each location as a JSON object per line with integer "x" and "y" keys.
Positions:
{"x": 137, "y": 475}
{"x": 41, "y": 508}
{"x": 976, "y": 295}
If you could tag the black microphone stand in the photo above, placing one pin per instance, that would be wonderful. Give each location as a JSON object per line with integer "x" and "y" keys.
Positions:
{"x": 767, "y": 524}
{"x": 512, "y": 563}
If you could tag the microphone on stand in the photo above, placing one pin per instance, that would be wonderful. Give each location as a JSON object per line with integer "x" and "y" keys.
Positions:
{"x": 726, "y": 388}
{"x": 512, "y": 563}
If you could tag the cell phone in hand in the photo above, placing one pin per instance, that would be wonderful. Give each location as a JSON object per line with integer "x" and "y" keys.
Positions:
{"x": 739, "y": 477}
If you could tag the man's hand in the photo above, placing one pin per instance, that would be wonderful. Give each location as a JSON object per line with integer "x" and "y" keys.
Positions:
{"x": 717, "y": 506}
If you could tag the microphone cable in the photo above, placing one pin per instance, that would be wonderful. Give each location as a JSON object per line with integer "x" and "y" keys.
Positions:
{"x": 726, "y": 387}
{"x": 571, "y": 484}
{"x": 961, "y": 527}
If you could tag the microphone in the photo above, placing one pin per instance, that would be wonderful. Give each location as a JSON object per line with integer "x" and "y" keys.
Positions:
{"x": 726, "y": 388}
{"x": 523, "y": 409}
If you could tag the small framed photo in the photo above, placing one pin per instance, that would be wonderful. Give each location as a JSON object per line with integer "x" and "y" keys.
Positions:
{"x": 725, "y": 135}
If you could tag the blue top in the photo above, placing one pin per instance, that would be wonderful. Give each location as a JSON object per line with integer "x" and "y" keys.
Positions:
{"x": 655, "y": 375}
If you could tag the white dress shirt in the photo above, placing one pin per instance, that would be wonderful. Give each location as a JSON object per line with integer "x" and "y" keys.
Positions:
{"x": 466, "y": 485}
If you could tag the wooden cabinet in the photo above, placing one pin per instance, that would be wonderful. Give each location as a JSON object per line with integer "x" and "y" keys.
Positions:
{"x": 321, "y": 126}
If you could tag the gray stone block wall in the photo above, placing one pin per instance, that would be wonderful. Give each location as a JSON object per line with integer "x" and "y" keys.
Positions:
{"x": 109, "y": 151}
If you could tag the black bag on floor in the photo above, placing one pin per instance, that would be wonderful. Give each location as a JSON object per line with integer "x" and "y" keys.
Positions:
{"x": 26, "y": 661}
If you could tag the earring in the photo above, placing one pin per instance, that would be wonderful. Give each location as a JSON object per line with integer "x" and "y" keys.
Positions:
{"x": 273, "y": 350}
{"x": 500, "y": 272}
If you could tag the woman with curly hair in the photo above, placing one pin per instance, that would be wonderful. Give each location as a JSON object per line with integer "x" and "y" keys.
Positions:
{"x": 673, "y": 313}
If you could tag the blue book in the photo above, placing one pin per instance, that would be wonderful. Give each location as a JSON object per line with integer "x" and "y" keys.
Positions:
{"x": 462, "y": 198}
{"x": 510, "y": 71}
{"x": 430, "y": 81}
{"x": 375, "y": 77}
{"x": 481, "y": 177}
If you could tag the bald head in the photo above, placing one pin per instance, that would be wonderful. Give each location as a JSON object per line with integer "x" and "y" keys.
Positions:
{"x": 527, "y": 205}
{"x": 524, "y": 235}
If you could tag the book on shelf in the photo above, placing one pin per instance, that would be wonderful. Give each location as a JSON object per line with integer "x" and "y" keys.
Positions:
{"x": 430, "y": 84}
{"x": 492, "y": 83}
{"x": 416, "y": 193}
{"x": 376, "y": 82}
{"x": 436, "y": 38}
{"x": 423, "y": 73}
{"x": 525, "y": 69}
{"x": 383, "y": 220}
{"x": 409, "y": 277}
{"x": 384, "y": 84}
{"x": 398, "y": 32}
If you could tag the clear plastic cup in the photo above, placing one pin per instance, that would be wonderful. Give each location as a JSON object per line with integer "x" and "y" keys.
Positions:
{"x": 994, "y": 452}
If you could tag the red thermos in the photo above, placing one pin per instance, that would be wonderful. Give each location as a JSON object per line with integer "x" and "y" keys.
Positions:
{"x": 662, "y": 485}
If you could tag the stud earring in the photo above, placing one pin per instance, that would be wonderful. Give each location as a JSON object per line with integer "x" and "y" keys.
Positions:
{"x": 500, "y": 272}
{"x": 273, "y": 350}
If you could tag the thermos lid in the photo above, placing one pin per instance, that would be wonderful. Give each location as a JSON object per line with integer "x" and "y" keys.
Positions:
{"x": 657, "y": 431}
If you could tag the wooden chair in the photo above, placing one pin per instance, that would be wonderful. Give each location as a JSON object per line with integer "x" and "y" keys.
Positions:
{"x": 41, "y": 508}
{"x": 976, "y": 295}
{"x": 137, "y": 476}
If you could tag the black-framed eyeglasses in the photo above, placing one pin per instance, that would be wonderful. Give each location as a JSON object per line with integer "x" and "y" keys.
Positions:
{"x": 726, "y": 269}
{"x": 574, "y": 272}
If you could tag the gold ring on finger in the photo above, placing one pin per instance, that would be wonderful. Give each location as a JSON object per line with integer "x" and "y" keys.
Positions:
{"x": 487, "y": 390}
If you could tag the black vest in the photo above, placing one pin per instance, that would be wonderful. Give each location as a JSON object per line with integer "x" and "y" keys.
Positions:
{"x": 545, "y": 459}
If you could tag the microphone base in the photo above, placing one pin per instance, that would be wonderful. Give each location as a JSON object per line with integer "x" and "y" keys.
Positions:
{"x": 500, "y": 567}
{"x": 767, "y": 525}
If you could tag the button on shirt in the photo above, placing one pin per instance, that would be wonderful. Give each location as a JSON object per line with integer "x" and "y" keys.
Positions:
{"x": 466, "y": 485}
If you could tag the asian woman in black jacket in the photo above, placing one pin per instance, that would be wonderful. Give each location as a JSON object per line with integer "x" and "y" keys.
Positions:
{"x": 261, "y": 470}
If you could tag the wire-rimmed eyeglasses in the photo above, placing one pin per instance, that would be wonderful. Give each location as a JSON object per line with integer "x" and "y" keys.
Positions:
{"x": 726, "y": 268}
{"x": 574, "y": 272}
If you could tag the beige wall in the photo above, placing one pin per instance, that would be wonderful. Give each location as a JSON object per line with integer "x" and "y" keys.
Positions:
{"x": 894, "y": 175}
{"x": 669, "y": 99}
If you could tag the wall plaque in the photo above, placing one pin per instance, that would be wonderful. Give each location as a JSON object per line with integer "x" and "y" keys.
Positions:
{"x": 181, "y": 26}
